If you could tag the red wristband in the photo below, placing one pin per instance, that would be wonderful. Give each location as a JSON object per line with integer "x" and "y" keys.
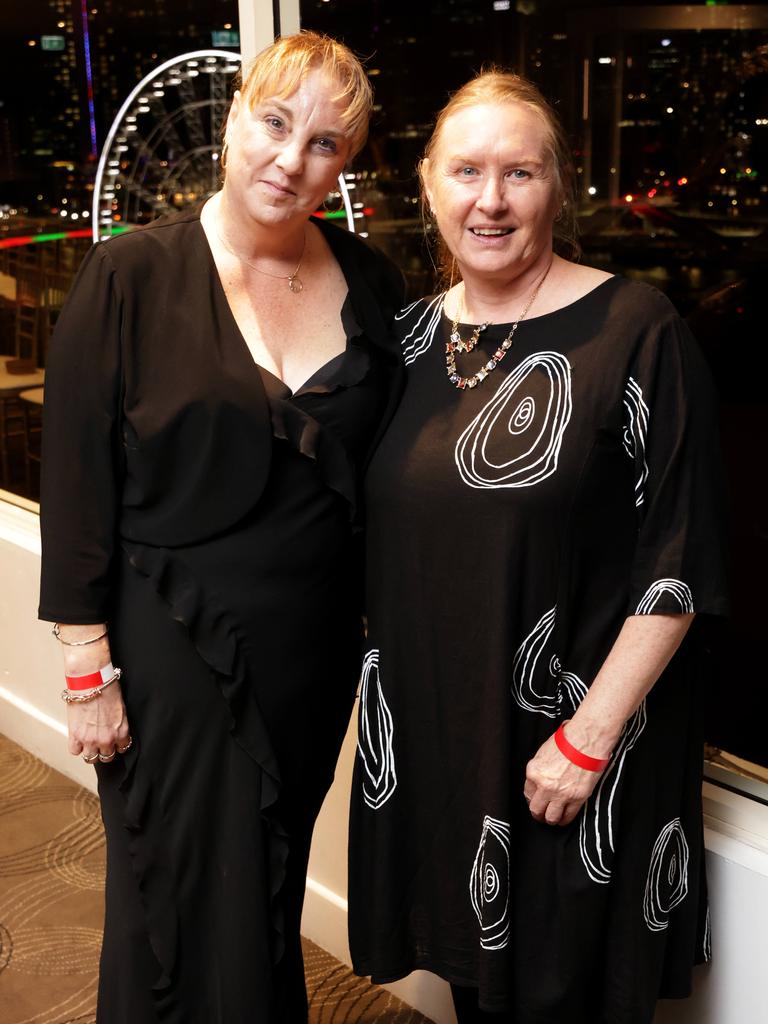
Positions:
{"x": 91, "y": 680}
{"x": 567, "y": 749}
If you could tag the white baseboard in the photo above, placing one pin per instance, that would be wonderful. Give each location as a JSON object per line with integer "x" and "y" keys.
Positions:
{"x": 324, "y": 920}
{"x": 20, "y": 522}
{"x": 325, "y": 923}
{"x": 43, "y": 736}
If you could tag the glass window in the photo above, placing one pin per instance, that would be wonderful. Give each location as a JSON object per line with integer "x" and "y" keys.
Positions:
{"x": 67, "y": 69}
{"x": 667, "y": 109}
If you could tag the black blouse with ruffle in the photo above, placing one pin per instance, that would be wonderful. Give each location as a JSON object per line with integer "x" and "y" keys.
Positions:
{"x": 157, "y": 427}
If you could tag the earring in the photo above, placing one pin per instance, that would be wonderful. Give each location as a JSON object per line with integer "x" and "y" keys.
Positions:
{"x": 453, "y": 271}
{"x": 223, "y": 157}
{"x": 335, "y": 197}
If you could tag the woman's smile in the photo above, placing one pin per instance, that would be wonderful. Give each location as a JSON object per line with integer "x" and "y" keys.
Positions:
{"x": 492, "y": 189}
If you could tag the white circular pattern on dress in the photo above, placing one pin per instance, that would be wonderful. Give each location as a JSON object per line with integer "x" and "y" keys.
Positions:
{"x": 596, "y": 825}
{"x": 522, "y": 416}
{"x": 636, "y": 418}
{"x": 524, "y": 670}
{"x": 416, "y": 342}
{"x": 667, "y": 883}
{"x": 675, "y": 590}
{"x": 489, "y": 884}
{"x": 491, "y": 887}
{"x": 539, "y": 391}
{"x": 556, "y": 686}
{"x": 375, "y": 737}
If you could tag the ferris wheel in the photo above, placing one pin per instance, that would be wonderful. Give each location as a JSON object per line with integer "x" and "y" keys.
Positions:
{"x": 163, "y": 150}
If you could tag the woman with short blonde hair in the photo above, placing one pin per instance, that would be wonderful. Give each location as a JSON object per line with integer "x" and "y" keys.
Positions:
{"x": 214, "y": 385}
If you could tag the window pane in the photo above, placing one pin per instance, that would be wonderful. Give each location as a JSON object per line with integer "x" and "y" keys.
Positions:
{"x": 667, "y": 110}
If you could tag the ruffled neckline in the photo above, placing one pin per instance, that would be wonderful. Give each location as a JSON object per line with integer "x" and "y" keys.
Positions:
{"x": 345, "y": 370}
{"x": 294, "y": 423}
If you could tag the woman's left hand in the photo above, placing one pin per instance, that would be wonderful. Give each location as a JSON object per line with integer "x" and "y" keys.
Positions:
{"x": 554, "y": 788}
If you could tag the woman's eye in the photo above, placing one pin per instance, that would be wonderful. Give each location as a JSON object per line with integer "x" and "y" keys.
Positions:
{"x": 519, "y": 174}
{"x": 467, "y": 172}
{"x": 328, "y": 145}
{"x": 274, "y": 122}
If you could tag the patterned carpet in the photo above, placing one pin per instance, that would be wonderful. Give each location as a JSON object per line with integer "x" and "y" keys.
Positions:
{"x": 51, "y": 877}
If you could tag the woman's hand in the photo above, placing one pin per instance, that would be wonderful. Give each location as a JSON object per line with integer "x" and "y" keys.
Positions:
{"x": 554, "y": 788}
{"x": 98, "y": 728}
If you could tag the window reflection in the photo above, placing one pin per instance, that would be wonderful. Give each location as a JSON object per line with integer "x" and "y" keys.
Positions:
{"x": 667, "y": 107}
{"x": 67, "y": 68}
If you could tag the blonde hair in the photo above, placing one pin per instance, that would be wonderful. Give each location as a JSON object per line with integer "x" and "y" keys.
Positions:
{"x": 495, "y": 86}
{"x": 280, "y": 68}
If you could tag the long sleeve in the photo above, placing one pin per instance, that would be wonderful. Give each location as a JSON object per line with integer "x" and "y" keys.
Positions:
{"x": 80, "y": 477}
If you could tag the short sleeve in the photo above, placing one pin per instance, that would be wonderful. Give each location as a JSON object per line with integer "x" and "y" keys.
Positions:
{"x": 79, "y": 481}
{"x": 671, "y": 435}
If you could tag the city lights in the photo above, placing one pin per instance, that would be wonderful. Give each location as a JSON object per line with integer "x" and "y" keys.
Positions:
{"x": 619, "y": 132}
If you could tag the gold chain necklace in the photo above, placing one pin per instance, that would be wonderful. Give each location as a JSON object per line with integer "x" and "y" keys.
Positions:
{"x": 457, "y": 344}
{"x": 294, "y": 281}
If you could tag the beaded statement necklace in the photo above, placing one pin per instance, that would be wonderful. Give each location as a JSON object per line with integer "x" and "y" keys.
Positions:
{"x": 457, "y": 344}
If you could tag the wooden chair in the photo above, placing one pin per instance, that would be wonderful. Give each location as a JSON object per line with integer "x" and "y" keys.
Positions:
{"x": 12, "y": 420}
{"x": 26, "y": 336}
{"x": 32, "y": 412}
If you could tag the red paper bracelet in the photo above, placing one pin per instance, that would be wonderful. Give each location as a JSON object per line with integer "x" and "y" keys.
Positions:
{"x": 91, "y": 680}
{"x": 567, "y": 749}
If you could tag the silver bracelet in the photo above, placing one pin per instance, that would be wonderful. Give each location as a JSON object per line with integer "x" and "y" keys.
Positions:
{"x": 73, "y": 697}
{"x": 76, "y": 643}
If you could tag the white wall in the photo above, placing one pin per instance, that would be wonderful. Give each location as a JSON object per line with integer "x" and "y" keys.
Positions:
{"x": 729, "y": 991}
{"x": 31, "y": 676}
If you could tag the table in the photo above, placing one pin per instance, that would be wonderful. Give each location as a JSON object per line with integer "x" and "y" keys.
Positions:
{"x": 33, "y": 395}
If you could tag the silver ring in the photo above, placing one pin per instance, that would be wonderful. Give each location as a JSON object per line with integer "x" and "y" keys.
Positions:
{"x": 128, "y": 745}
{"x": 91, "y": 758}
{"x": 106, "y": 758}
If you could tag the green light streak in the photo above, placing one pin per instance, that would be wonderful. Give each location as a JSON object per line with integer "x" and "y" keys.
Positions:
{"x": 57, "y": 235}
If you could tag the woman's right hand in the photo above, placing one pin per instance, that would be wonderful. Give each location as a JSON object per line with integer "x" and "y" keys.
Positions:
{"x": 98, "y": 728}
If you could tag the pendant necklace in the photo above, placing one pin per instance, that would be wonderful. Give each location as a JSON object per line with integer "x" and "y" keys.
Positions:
{"x": 457, "y": 344}
{"x": 294, "y": 281}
